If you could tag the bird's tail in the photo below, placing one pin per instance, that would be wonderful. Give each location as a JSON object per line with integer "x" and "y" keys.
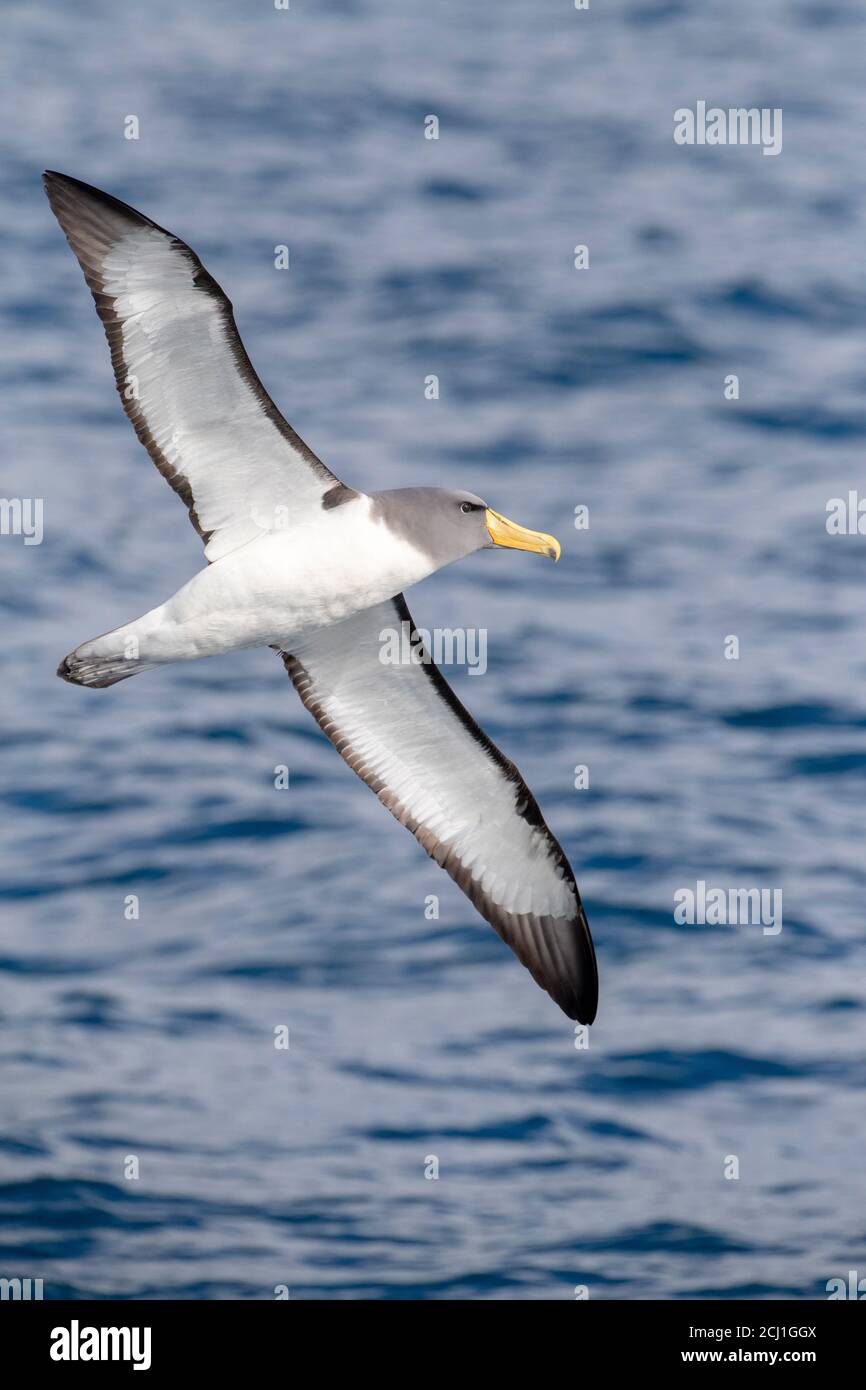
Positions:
{"x": 105, "y": 660}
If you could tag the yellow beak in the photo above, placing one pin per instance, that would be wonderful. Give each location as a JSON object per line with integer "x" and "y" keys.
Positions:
{"x": 505, "y": 532}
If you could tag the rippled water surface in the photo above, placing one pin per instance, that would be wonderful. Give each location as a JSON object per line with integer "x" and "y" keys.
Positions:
{"x": 409, "y": 1038}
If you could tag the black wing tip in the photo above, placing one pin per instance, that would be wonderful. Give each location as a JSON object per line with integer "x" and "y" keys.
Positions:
{"x": 588, "y": 993}
{"x": 574, "y": 985}
{"x": 584, "y": 1007}
{"x": 54, "y": 181}
{"x": 64, "y": 190}
{"x": 578, "y": 998}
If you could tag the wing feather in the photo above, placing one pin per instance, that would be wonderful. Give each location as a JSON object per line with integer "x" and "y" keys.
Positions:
{"x": 402, "y": 729}
{"x": 184, "y": 376}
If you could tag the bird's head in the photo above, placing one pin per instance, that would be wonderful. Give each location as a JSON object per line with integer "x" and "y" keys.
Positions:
{"x": 452, "y": 524}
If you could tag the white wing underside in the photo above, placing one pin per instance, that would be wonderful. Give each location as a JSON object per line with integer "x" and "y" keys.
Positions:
{"x": 184, "y": 376}
{"x": 404, "y": 732}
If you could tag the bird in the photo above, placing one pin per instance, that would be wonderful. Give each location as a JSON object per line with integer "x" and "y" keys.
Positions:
{"x": 303, "y": 563}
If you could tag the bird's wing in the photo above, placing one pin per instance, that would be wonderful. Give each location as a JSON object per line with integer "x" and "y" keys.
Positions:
{"x": 184, "y": 377}
{"x": 403, "y": 730}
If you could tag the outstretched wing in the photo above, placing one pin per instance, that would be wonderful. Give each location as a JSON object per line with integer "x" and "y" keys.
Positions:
{"x": 403, "y": 730}
{"x": 184, "y": 377}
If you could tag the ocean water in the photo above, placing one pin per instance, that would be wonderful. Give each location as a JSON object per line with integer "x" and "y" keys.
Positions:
{"x": 153, "y": 1038}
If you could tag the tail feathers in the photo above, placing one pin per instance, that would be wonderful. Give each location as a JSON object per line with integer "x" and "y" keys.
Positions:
{"x": 86, "y": 667}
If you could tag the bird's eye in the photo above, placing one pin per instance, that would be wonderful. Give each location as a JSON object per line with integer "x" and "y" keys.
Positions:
{"x": 466, "y": 507}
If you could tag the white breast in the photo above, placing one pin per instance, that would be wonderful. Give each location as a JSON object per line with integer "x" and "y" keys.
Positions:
{"x": 287, "y": 583}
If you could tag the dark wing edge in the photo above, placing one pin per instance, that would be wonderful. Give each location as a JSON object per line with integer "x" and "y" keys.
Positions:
{"x": 76, "y": 205}
{"x": 558, "y": 952}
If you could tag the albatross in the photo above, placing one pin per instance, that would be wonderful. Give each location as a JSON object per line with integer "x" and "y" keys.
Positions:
{"x": 299, "y": 561}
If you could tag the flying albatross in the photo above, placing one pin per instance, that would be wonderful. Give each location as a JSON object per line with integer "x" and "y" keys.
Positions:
{"x": 300, "y": 562}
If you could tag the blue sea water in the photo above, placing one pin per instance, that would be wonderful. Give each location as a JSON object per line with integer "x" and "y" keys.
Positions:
{"x": 154, "y": 1038}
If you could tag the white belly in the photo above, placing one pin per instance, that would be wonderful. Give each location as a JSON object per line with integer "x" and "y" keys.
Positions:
{"x": 282, "y": 585}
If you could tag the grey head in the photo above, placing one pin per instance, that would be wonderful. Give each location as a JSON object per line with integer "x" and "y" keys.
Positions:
{"x": 443, "y": 524}
{"x": 447, "y": 525}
